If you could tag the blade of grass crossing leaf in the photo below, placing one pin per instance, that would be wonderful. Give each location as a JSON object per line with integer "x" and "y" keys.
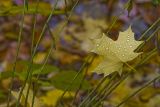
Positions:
{"x": 107, "y": 91}
{"x": 132, "y": 69}
{"x": 141, "y": 62}
{"x": 17, "y": 53}
{"x": 34, "y": 51}
{"x": 148, "y": 55}
{"x": 146, "y": 58}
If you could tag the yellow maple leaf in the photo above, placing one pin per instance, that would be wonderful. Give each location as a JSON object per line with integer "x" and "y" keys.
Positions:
{"x": 115, "y": 53}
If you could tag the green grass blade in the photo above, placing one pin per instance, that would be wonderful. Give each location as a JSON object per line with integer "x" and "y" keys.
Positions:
{"x": 32, "y": 47}
{"x": 16, "y": 58}
{"x": 34, "y": 52}
{"x": 137, "y": 91}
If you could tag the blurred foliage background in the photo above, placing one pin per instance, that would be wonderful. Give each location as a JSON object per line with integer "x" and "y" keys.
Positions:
{"x": 71, "y": 27}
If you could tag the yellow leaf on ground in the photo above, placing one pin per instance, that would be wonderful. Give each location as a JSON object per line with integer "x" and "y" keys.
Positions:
{"x": 53, "y": 96}
{"x": 115, "y": 53}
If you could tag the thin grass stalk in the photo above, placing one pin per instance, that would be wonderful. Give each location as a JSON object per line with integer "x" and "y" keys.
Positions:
{"x": 48, "y": 55}
{"x": 34, "y": 95}
{"x": 137, "y": 91}
{"x": 17, "y": 54}
{"x": 75, "y": 77}
{"x": 45, "y": 62}
{"x": 152, "y": 26}
{"x": 94, "y": 90}
{"x": 103, "y": 91}
{"x": 32, "y": 47}
{"x": 111, "y": 89}
{"x": 116, "y": 18}
{"x": 106, "y": 87}
{"x": 65, "y": 1}
{"x": 76, "y": 3}
{"x": 34, "y": 52}
{"x": 149, "y": 38}
{"x": 80, "y": 86}
{"x": 148, "y": 56}
{"x": 69, "y": 15}
{"x": 67, "y": 21}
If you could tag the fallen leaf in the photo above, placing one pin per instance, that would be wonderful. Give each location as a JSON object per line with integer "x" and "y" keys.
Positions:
{"x": 53, "y": 96}
{"x": 115, "y": 53}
